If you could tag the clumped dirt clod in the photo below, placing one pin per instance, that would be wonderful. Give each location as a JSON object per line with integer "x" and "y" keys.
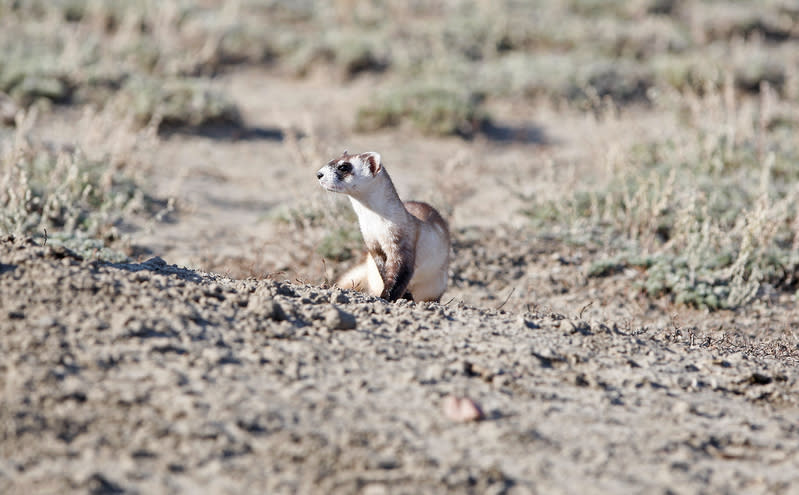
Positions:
{"x": 336, "y": 319}
{"x": 147, "y": 377}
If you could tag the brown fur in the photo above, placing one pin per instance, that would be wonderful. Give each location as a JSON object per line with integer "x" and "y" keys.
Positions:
{"x": 426, "y": 213}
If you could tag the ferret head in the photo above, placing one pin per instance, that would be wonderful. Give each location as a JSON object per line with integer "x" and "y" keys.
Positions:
{"x": 350, "y": 174}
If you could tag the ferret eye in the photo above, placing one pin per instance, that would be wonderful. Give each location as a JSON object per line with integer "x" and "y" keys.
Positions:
{"x": 345, "y": 167}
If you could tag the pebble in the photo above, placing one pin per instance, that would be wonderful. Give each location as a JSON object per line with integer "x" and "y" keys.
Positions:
{"x": 46, "y": 321}
{"x": 680, "y": 408}
{"x": 336, "y": 319}
{"x": 262, "y": 304}
{"x": 155, "y": 261}
{"x": 527, "y": 323}
{"x": 339, "y": 297}
{"x": 461, "y": 409}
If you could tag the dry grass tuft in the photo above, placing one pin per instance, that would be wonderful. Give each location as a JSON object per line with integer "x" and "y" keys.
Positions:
{"x": 708, "y": 212}
{"x": 434, "y": 109}
{"x": 80, "y": 193}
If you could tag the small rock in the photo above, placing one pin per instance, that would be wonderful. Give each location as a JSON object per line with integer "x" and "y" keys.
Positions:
{"x": 375, "y": 489}
{"x": 387, "y": 462}
{"x": 339, "y": 297}
{"x": 431, "y": 374}
{"x": 275, "y": 311}
{"x": 336, "y": 319}
{"x": 265, "y": 305}
{"x": 472, "y": 369}
{"x": 462, "y": 409}
{"x": 99, "y": 483}
{"x": 525, "y": 322}
{"x": 501, "y": 380}
{"x": 155, "y": 261}
{"x": 583, "y": 380}
{"x": 759, "y": 379}
{"x": 680, "y": 408}
{"x": 46, "y": 321}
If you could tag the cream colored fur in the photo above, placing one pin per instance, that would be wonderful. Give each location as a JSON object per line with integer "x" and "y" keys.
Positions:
{"x": 430, "y": 275}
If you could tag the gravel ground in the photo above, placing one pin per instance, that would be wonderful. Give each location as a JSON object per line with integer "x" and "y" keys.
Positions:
{"x": 149, "y": 378}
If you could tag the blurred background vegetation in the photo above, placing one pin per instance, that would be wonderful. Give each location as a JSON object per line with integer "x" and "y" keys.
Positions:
{"x": 442, "y": 58}
{"x": 708, "y": 213}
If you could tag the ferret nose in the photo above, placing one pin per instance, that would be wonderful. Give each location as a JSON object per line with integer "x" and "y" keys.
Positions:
{"x": 319, "y": 175}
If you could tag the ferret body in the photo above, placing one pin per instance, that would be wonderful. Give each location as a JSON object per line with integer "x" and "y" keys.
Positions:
{"x": 407, "y": 243}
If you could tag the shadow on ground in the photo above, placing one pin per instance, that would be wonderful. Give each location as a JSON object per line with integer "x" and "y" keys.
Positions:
{"x": 158, "y": 265}
{"x": 524, "y": 134}
{"x": 227, "y": 132}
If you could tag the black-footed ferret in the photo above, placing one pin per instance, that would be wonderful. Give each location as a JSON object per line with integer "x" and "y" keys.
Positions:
{"x": 407, "y": 243}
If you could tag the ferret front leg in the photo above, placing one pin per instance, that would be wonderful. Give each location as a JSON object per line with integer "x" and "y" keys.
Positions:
{"x": 395, "y": 268}
{"x": 396, "y": 277}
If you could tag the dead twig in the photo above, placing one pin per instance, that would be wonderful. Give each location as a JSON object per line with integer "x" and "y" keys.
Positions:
{"x": 324, "y": 271}
{"x": 512, "y": 290}
{"x": 582, "y": 310}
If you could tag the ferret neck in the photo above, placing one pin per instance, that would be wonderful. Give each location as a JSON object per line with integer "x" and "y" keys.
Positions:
{"x": 380, "y": 198}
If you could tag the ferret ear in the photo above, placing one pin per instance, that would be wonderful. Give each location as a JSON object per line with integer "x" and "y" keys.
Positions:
{"x": 373, "y": 160}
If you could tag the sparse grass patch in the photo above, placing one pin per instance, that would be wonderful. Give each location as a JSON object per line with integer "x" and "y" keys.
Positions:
{"x": 140, "y": 52}
{"x": 528, "y": 75}
{"x": 769, "y": 19}
{"x": 330, "y": 231}
{"x": 643, "y": 37}
{"x": 435, "y": 109}
{"x": 748, "y": 64}
{"x": 620, "y": 80}
{"x": 31, "y": 68}
{"x": 176, "y": 103}
{"x": 351, "y": 54}
{"x": 709, "y": 214}
{"x": 341, "y": 244}
{"x": 80, "y": 197}
{"x": 687, "y": 71}
{"x": 579, "y": 79}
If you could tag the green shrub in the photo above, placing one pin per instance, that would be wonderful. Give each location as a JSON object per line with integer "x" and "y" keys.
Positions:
{"x": 177, "y": 102}
{"x": 431, "y": 108}
{"x": 350, "y": 54}
{"x": 707, "y": 214}
{"x": 71, "y": 194}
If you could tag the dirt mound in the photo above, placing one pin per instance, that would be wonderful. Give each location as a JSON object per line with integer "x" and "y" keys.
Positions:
{"x": 146, "y": 377}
